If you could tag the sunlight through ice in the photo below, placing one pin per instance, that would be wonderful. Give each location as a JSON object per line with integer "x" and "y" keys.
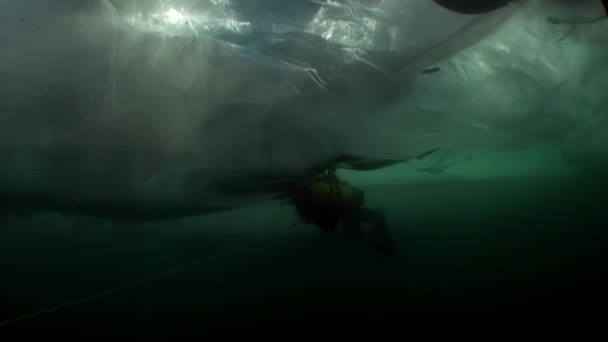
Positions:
{"x": 174, "y": 16}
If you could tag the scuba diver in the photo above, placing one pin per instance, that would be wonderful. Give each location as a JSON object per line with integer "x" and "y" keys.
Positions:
{"x": 326, "y": 202}
{"x": 320, "y": 198}
{"x": 330, "y": 203}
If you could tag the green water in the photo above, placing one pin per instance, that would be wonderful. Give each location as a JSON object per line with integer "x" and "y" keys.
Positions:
{"x": 465, "y": 248}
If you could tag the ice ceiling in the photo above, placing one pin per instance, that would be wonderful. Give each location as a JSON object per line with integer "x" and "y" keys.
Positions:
{"x": 149, "y": 103}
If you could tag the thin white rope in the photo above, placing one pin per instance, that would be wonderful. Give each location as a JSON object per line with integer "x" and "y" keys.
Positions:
{"x": 136, "y": 283}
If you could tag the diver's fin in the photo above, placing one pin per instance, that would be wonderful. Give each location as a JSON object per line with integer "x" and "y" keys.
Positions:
{"x": 438, "y": 166}
{"x": 353, "y": 162}
{"x": 431, "y": 70}
{"x": 372, "y": 164}
{"x": 427, "y": 153}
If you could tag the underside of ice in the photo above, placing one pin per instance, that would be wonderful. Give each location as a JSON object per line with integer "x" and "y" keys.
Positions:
{"x": 110, "y": 105}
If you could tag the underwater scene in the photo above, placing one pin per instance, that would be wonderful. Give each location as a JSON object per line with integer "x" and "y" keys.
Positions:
{"x": 194, "y": 164}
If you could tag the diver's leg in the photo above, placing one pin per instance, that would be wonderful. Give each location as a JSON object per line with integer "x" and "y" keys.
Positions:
{"x": 325, "y": 220}
{"x": 328, "y": 222}
{"x": 351, "y": 227}
{"x": 382, "y": 239}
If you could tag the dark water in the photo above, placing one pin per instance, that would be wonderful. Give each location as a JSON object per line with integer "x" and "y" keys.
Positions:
{"x": 466, "y": 249}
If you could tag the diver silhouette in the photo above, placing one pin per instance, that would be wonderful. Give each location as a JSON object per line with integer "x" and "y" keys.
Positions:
{"x": 326, "y": 202}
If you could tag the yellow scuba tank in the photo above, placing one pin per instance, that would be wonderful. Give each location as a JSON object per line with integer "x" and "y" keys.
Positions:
{"x": 322, "y": 190}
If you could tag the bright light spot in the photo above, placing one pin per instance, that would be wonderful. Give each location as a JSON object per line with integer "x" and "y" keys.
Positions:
{"x": 503, "y": 48}
{"x": 180, "y": 21}
{"x": 174, "y": 16}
